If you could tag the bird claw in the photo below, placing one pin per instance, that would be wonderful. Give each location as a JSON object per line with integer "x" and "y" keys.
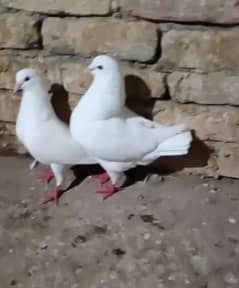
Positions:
{"x": 46, "y": 176}
{"x": 54, "y": 197}
{"x": 33, "y": 164}
{"x": 108, "y": 191}
{"x": 104, "y": 178}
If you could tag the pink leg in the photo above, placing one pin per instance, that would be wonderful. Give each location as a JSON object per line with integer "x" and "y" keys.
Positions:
{"x": 54, "y": 197}
{"x": 46, "y": 176}
{"x": 104, "y": 177}
{"x": 108, "y": 191}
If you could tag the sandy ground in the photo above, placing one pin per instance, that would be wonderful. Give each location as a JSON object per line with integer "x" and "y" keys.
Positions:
{"x": 181, "y": 231}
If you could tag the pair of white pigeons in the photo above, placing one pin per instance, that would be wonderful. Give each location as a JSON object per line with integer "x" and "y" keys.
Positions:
{"x": 102, "y": 130}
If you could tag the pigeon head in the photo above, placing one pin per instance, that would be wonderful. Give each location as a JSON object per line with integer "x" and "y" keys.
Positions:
{"x": 26, "y": 79}
{"x": 103, "y": 65}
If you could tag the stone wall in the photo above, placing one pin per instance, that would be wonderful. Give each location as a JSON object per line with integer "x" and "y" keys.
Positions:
{"x": 180, "y": 59}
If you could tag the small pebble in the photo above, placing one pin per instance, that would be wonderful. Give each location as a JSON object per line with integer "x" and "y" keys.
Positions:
{"x": 214, "y": 191}
{"x": 200, "y": 265}
{"x": 143, "y": 206}
{"x": 194, "y": 229}
{"x": 204, "y": 223}
{"x": 171, "y": 278}
{"x": 113, "y": 276}
{"x": 32, "y": 270}
{"x": 13, "y": 282}
{"x": 236, "y": 250}
{"x": 145, "y": 261}
{"x": 233, "y": 239}
{"x": 130, "y": 216}
{"x": 231, "y": 279}
{"x": 10, "y": 251}
{"x": 232, "y": 220}
{"x": 43, "y": 246}
{"x": 153, "y": 179}
{"x": 187, "y": 281}
{"x": 204, "y": 201}
{"x": 78, "y": 270}
{"x": 147, "y": 236}
{"x": 205, "y": 184}
{"x": 141, "y": 197}
{"x": 24, "y": 202}
{"x": 118, "y": 252}
{"x": 217, "y": 244}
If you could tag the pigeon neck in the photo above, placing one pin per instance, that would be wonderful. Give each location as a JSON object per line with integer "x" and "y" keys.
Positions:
{"x": 36, "y": 104}
{"x": 103, "y": 100}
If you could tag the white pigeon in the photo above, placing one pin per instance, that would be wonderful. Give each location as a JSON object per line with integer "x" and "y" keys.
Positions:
{"x": 120, "y": 143}
{"x": 44, "y": 135}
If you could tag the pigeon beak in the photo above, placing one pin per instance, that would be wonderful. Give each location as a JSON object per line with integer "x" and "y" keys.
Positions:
{"x": 17, "y": 89}
{"x": 90, "y": 68}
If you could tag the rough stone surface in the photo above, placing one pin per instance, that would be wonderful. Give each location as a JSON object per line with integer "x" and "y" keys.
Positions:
{"x": 11, "y": 63}
{"x": 210, "y": 50}
{"x": 213, "y": 88}
{"x": 228, "y": 157}
{"x": 135, "y": 239}
{"x": 140, "y": 83}
{"x": 18, "y": 31}
{"x": 88, "y": 37}
{"x": 74, "y": 7}
{"x": 76, "y": 78}
{"x": 210, "y": 123}
{"x": 217, "y": 11}
{"x": 8, "y": 141}
{"x": 2, "y": 9}
{"x": 144, "y": 83}
{"x": 8, "y": 106}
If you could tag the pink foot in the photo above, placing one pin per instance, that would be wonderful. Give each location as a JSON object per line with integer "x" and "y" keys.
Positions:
{"x": 54, "y": 197}
{"x": 104, "y": 177}
{"x": 46, "y": 176}
{"x": 108, "y": 191}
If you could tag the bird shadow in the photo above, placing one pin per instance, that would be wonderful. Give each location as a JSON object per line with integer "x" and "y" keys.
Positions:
{"x": 197, "y": 157}
{"x": 81, "y": 172}
{"x": 139, "y": 98}
{"x": 60, "y": 102}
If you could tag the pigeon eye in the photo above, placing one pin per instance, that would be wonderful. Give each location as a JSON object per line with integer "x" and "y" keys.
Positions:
{"x": 27, "y": 78}
{"x": 100, "y": 67}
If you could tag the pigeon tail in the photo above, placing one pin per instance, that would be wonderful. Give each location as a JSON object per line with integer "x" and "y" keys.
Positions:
{"x": 173, "y": 146}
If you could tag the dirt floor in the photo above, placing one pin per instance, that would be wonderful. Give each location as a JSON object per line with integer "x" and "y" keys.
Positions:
{"x": 180, "y": 231}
